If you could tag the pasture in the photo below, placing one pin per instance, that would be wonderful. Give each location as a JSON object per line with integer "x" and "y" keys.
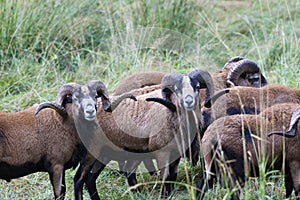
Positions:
{"x": 47, "y": 43}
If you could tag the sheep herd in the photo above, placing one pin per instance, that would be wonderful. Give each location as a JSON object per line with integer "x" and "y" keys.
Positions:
{"x": 227, "y": 122}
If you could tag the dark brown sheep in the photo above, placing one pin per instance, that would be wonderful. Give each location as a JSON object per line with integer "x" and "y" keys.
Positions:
{"x": 31, "y": 143}
{"x": 151, "y": 131}
{"x": 51, "y": 142}
{"x": 230, "y": 138}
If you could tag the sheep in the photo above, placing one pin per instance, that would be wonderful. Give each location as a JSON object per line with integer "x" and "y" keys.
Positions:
{"x": 251, "y": 100}
{"x": 74, "y": 105}
{"x": 229, "y": 139}
{"x": 154, "y": 136}
{"x": 31, "y": 143}
{"x": 291, "y": 132}
{"x": 236, "y": 71}
{"x": 139, "y": 80}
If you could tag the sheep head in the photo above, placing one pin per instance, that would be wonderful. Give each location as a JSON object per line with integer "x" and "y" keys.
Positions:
{"x": 244, "y": 72}
{"x": 183, "y": 90}
{"x": 291, "y": 132}
{"x": 84, "y": 98}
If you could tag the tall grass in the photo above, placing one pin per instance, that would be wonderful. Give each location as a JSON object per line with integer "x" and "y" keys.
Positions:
{"x": 46, "y": 43}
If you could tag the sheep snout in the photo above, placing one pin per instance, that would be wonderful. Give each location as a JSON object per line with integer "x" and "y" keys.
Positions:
{"x": 189, "y": 102}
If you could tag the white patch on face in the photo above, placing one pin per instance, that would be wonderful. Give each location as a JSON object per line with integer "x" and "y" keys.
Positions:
{"x": 88, "y": 104}
{"x": 188, "y": 95}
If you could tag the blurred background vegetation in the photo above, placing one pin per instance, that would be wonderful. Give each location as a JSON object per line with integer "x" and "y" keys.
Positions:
{"x": 44, "y": 44}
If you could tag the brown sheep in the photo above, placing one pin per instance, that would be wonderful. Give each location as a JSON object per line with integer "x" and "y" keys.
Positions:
{"x": 153, "y": 136}
{"x": 50, "y": 137}
{"x": 248, "y": 100}
{"x": 230, "y": 138}
{"x": 236, "y": 71}
{"x": 31, "y": 143}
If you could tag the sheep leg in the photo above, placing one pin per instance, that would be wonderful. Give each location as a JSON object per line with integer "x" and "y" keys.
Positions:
{"x": 129, "y": 172}
{"x": 90, "y": 182}
{"x": 295, "y": 174}
{"x": 194, "y": 151}
{"x": 57, "y": 178}
{"x": 149, "y": 166}
{"x": 288, "y": 182}
{"x": 204, "y": 184}
{"x": 168, "y": 176}
{"x": 80, "y": 176}
{"x": 121, "y": 168}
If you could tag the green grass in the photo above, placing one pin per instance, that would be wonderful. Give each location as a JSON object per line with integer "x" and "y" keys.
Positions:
{"x": 44, "y": 44}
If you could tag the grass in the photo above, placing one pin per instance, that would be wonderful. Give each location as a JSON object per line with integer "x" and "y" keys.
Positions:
{"x": 47, "y": 43}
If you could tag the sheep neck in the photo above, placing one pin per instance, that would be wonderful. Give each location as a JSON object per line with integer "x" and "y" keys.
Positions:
{"x": 189, "y": 124}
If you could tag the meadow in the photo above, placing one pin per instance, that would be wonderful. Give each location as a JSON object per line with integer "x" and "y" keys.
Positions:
{"x": 44, "y": 44}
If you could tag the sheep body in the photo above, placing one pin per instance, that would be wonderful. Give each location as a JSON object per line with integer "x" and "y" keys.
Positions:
{"x": 240, "y": 70}
{"x": 229, "y": 133}
{"x": 252, "y": 100}
{"x": 32, "y": 144}
{"x": 147, "y": 127}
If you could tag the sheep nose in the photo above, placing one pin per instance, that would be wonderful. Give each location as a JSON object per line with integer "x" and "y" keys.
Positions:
{"x": 90, "y": 109}
{"x": 189, "y": 100}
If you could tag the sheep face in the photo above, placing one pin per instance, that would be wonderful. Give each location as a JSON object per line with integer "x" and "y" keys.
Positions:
{"x": 85, "y": 102}
{"x": 187, "y": 94}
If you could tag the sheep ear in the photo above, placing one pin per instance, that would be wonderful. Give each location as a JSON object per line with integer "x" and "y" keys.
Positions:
{"x": 164, "y": 102}
{"x": 291, "y": 132}
{"x": 212, "y": 99}
{"x": 60, "y": 109}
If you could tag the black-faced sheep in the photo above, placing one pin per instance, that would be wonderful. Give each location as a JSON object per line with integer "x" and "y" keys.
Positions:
{"x": 239, "y": 139}
{"x": 31, "y": 143}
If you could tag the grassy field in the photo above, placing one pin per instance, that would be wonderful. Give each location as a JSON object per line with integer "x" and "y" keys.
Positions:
{"x": 47, "y": 43}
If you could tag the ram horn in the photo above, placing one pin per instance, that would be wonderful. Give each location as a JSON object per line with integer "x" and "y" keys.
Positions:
{"x": 242, "y": 67}
{"x": 232, "y": 60}
{"x": 164, "y": 102}
{"x": 60, "y": 109}
{"x": 101, "y": 92}
{"x": 212, "y": 99}
{"x": 118, "y": 100}
{"x": 205, "y": 80}
{"x": 65, "y": 93}
{"x": 291, "y": 132}
{"x": 169, "y": 84}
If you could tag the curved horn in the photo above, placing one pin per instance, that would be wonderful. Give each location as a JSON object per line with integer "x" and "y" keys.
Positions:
{"x": 60, "y": 109}
{"x": 65, "y": 91}
{"x": 101, "y": 92}
{"x": 164, "y": 102}
{"x": 233, "y": 59}
{"x": 291, "y": 132}
{"x": 212, "y": 99}
{"x": 118, "y": 100}
{"x": 205, "y": 80}
{"x": 168, "y": 84}
{"x": 244, "y": 66}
